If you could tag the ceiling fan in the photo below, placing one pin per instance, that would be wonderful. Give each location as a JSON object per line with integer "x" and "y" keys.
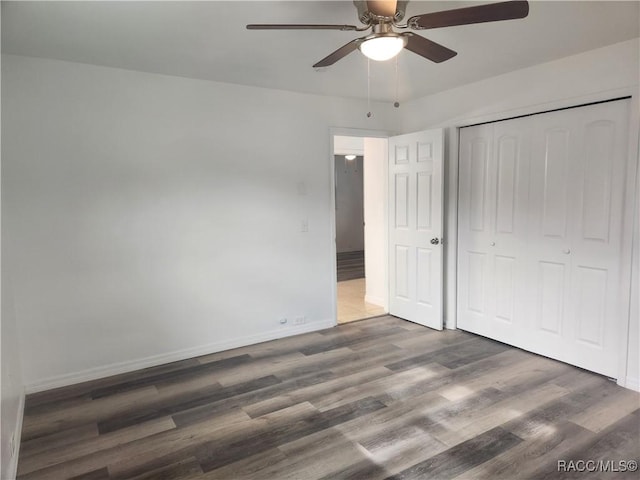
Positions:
{"x": 382, "y": 16}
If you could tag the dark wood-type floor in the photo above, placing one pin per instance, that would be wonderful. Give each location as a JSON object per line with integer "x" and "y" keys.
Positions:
{"x": 350, "y": 265}
{"x": 375, "y": 399}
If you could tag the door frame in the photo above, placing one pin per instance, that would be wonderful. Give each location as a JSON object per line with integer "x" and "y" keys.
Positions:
{"x": 346, "y": 132}
{"x": 630, "y": 201}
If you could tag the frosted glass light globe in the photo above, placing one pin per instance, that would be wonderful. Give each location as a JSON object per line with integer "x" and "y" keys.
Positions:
{"x": 383, "y": 47}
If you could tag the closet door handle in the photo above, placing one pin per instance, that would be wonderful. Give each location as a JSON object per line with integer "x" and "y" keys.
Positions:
{"x": 493, "y": 244}
{"x": 566, "y": 251}
{"x": 435, "y": 241}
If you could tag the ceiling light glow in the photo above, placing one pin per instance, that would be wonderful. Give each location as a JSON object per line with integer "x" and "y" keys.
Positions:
{"x": 383, "y": 47}
{"x": 350, "y": 157}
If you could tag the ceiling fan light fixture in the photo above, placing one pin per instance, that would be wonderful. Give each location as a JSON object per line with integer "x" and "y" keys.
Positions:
{"x": 381, "y": 16}
{"x": 383, "y": 47}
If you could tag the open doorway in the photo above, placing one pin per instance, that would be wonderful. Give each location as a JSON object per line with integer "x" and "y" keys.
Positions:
{"x": 360, "y": 186}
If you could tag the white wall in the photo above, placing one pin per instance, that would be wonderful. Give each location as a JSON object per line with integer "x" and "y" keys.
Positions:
{"x": 633, "y": 363}
{"x": 567, "y": 80}
{"x": 151, "y": 217}
{"x": 343, "y": 145}
{"x": 375, "y": 219}
{"x": 595, "y": 75}
{"x": 11, "y": 385}
{"x": 349, "y": 204}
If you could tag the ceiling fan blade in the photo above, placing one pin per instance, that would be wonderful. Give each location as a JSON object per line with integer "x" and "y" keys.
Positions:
{"x": 492, "y": 12}
{"x": 428, "y": 49}
{"x": 382, "y": 8}
{"x": 301, "y": 26}
{"x": 338, "y": 54}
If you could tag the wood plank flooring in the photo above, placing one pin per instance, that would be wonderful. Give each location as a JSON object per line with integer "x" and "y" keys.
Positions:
{"x": 350, "y": 265}
{"x": 375, "y": 399}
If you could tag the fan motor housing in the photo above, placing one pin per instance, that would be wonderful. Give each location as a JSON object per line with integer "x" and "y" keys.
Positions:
{"x": 366, "y": 17}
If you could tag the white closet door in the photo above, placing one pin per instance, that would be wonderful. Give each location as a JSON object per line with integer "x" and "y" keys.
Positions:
{"x": 577, "y": 189}
{"x": 474, "y": 230}
{"x": 540, "y": 233}
{"x": 494, "y": 169}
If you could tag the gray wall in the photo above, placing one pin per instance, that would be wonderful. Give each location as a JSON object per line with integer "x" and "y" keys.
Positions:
{"x": 349, "y": 204}
{"x": 12, "y": 387}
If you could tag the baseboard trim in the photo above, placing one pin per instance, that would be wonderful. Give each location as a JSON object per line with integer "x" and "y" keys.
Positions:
{"x": 12, "y": 469}
{"x": 632, "y": 384}
{"x": 374, "y": 300}
{"x": 155, "y": 360}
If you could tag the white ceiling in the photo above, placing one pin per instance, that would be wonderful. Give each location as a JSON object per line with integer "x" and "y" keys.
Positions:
{"x": 208, "y": 40}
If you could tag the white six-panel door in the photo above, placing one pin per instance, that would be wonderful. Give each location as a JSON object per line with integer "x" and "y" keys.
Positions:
{"x": 540, "y": 233}
{"x": 415, "y": 227}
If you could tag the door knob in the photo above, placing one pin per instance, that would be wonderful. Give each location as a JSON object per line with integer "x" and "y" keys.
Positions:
{"x": 567, "y": 251}
{"x": 435, "y": 241}
{"x": 493, "y": 244}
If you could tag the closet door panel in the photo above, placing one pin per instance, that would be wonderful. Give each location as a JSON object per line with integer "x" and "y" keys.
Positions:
{"x": 548, "y": 263}
{"x": 591, "y": 305}
{"x": 597, "y": 229}
{"x": 474, "y": 222}
{"x": 550, "y": 300}
{"x": 492, "y": 221}
{"x": 478, "y": 164}
{"x": 509, "y": 170}
{"x": 507, "y": 177}
{"x": 505, "y": 289}
{"x": 476, "y": 283}
{"x": 598, "y": 179}
{"x": 555, "y": 163}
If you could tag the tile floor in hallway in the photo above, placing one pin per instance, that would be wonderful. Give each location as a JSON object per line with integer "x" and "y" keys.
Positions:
{"x": 351, "y": 304}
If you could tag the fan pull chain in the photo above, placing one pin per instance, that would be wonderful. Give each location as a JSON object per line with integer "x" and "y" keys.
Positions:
{"x": 397, "y": 103}
{"x": 369, "y": 114}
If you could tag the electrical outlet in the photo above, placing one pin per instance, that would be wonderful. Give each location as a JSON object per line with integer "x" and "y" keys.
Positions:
{"x": 300, "y": 320}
